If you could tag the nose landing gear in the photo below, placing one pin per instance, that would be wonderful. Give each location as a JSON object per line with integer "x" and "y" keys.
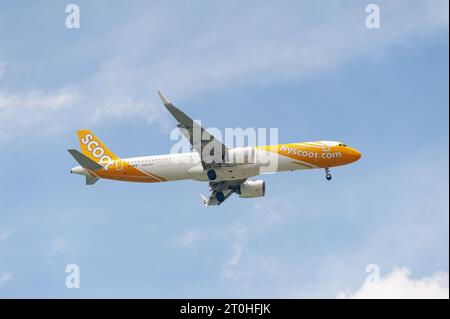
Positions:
{"x": 327, "y": 174}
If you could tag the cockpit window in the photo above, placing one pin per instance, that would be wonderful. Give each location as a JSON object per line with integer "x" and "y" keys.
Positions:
{"x": 342, "y": 144}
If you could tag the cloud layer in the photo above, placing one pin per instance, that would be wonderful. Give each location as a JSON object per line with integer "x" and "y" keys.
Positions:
{"x": 238, "y": 44}
{"x": 35, "y": 109}
{"x": 400, "y": 285}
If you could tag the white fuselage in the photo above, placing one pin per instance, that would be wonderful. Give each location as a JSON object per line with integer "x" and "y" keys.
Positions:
{"x": 181, "y": 166}
{"x": 241, "y": 163}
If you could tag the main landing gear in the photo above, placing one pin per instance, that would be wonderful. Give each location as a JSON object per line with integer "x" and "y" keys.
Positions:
{"x": 220, "y": 196}
{"x": 327, "y": 174}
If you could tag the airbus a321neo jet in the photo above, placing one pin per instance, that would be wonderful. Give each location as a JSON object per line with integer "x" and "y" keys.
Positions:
{"x": 227, "y": 170}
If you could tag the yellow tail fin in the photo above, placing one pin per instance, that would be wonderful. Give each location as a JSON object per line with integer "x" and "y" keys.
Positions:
{"x": 93, "y": 148}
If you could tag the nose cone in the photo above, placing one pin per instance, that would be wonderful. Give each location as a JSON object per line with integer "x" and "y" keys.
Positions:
{"x": 355, "y": 155}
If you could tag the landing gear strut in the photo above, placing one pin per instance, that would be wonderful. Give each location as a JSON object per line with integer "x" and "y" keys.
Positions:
{"x": 327, "y": 174}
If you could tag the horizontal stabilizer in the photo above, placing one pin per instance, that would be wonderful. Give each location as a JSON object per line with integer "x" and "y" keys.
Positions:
{"x": 85, "y": 161}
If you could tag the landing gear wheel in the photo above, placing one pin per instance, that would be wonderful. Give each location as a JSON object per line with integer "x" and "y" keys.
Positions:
{"x": 220, "y": 197}
{"x": 328, "y": 175}
{"x": 211, "y": 174}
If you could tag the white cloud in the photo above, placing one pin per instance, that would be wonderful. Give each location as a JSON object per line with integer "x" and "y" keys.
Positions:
{"x": 231, "y": 269}
{"x": 37, "y": 99}
{"x": 32, "y": 109}
{"x": 238, "y": 44}
{"x": 126, "y": 107}
{"x": 244, "y": 265}
{"x": 5, "y": 235}
{"x": 4, "y": 278}
{"x": 238, "y": 47}
{"x": 59, "y": 246}
{"x": 189, "y": 237}
{"x": 234, "y": 46}
{"x": 399, "y": 285}
{"x": 267, "y": 211}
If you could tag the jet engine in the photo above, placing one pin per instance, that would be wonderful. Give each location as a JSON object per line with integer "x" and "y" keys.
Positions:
{"x": 250, "y": 189}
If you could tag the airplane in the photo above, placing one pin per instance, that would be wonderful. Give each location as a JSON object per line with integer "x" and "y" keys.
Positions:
{"x": 228, "y": 170}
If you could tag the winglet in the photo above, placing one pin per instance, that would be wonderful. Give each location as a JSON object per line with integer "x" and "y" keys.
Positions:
{"x": 163, "y": 98}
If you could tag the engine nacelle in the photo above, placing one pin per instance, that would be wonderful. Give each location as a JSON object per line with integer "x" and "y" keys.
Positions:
{"x": 250, "y": 189}
{"x": 241, "y": 155}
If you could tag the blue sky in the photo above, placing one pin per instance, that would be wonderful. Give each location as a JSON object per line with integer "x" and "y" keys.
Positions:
{"x": 312, "y": 70}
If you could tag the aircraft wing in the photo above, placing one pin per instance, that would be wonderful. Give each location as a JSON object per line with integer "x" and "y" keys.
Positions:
{"x": 226, "y": 187}
{"x": 211, "y": 150}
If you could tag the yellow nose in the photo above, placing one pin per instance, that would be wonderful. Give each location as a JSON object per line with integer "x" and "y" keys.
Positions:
{"x": 355, "y": 154}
